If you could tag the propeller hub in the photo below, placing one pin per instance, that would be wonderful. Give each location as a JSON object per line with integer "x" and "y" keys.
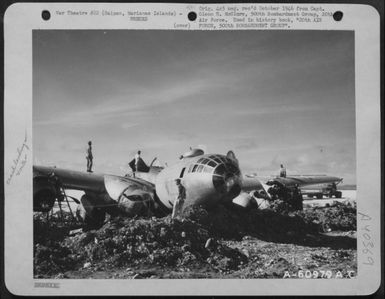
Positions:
{"x": 227, "y": 178}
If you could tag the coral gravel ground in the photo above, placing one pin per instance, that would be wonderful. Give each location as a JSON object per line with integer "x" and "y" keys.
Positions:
{"x": 221, "y": 243}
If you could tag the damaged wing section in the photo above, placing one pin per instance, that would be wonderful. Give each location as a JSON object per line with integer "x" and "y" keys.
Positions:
{"x": 49, "y": 182}
{"x": 259, "y": 191}
{"x": 103, "y": 193}
{"x": 253, "y": 191}
{"x": 133, "y": 197}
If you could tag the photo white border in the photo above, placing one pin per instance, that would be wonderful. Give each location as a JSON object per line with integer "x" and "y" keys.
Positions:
{"x": 19, "y": 21}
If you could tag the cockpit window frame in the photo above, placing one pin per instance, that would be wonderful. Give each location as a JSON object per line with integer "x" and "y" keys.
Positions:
{"x": 200, "y": 168}
{"x": 208, "y": 169}
{"x": 182, "y": 172}
{"x": 210, "y": 163}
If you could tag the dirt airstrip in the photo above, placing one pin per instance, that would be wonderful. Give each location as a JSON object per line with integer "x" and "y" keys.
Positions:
{"x": 222, "y": 243}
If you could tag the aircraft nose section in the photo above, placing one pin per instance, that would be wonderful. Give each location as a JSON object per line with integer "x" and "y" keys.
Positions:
{"x": 227, "y": 179}
{"x": 230, "y": 182}
{"x": 233, "y": 186}
{"x": 115, "y": 186}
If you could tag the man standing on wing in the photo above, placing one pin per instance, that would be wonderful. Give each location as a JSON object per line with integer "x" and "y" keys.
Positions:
{"x": 89, "y": 157}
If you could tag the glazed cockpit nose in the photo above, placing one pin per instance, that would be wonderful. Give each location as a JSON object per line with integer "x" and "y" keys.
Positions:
{"x": 226, "y": 177}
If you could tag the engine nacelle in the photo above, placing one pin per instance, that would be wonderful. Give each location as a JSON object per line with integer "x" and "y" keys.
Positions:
{"x": 136, "y": 203}
{"x": 44, "y": 194}
{"x": 132, "y": 196}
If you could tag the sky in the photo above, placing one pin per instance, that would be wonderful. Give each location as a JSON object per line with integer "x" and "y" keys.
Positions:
{"x": 270, "y": 96}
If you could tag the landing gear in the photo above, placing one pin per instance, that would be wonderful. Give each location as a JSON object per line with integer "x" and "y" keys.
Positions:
{"x": 297, "y": 199}
{"x": 44, "y": 195}
{"x": 299, "y": 202}
{"x": 92, "y": 217}
{"x": 44, "y": 201}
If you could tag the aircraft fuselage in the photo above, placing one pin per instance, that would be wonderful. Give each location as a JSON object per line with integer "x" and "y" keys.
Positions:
{"x": 207, "y": 179}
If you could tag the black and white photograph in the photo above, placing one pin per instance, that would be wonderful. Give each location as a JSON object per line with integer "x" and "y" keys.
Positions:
{"x": 174, "y": 154}
{"x": 192, "y": 149}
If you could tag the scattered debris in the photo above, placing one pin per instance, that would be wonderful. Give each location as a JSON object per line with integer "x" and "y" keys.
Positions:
{"x": 76, "y": 231}
{"x": 340, "y": 217}
{"x": 208, "y": 243}
{"x": 216, "y": 243}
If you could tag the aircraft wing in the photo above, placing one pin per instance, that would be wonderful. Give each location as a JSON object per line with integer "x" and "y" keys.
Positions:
{"x": 90, "y": 182}
{"x": 256, "y": 182}
{"x": 107, "y": 192}
{"x": 291, "y": 181}
{"x": 259, "y": 185}
{"x": 71, "y": 179}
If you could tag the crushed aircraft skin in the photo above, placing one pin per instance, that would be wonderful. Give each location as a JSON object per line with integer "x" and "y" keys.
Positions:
{"x": 221, "y": 243}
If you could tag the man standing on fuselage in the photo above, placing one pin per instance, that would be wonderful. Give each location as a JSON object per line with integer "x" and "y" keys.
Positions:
{"x": 137, "y": 159}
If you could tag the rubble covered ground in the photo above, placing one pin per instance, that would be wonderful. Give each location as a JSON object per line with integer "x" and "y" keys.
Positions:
{"x": 222, "y": 243}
